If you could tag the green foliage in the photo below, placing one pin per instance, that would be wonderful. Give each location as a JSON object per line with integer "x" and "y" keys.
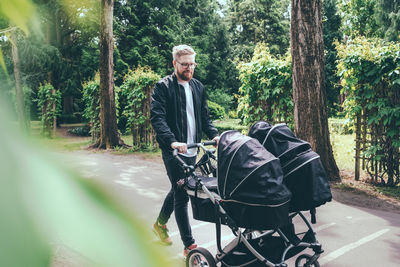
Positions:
{"x": 266, "y": 91}
{"x": 388, "y": 19}
{"x": 331, "y": 30}
{"x": 340, "y": 126}
{"x": 136, "y": 89}
{"x": 230, "y": 124}
{"x": 216, "y": 111}
{"x": 147, "y": 30}
{"x": 370, "y": 74}
{"x": 27, "y": 100}
{"x": 42, "y": 201}
{"x": 48, "y": 97}
{"x": 359, "y": 17}
{"x": 91, "y": 99}
{"x": 254, "y": 21}
{"x": 223, "y": 99}
{"x": 80, "y": 131}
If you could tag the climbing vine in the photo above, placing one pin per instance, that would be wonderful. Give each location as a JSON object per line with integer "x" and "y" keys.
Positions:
{"x": 49, "y": 102}
{"x": 91, "y": 98}
{"x": 370, "y": 74}
{"x": 136, "y": 89}
{"x": 266, "y": 88}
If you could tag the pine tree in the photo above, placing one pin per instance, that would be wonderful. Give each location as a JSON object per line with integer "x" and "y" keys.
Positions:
{"x": 331, "y": 29}
{"x": 388, "y": 19}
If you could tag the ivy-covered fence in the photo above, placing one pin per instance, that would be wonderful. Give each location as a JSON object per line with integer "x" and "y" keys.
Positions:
{"x": 136, "y": 90}
{"x": 370, "y": 74}
{"x": 49, "y": 102}
{"x": 266, "y": 88}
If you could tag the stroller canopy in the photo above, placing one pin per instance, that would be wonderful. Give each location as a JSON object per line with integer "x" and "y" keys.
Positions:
{"x": 279, "y": 140}
{"x": 302, "y": 168}
{"x": 248, "y": 173}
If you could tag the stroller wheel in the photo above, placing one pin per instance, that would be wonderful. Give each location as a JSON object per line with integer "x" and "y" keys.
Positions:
{"x": 304, "y": 259}
{"x": 200, "y": 257}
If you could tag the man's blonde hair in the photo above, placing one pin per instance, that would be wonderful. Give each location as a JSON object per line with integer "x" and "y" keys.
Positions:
{"x": 181, "y": 50}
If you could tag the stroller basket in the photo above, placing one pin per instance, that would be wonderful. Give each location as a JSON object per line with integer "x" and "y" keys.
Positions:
{"x": 202, "y": 207}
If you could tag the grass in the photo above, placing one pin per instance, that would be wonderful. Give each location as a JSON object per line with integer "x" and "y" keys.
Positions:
{"x": 59, "y": 142}
{"x": 388, "y": 191}
{"x": 343, "y": 150}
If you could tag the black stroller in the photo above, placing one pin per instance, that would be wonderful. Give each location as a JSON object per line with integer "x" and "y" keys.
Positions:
{"x": 248, "y": 196}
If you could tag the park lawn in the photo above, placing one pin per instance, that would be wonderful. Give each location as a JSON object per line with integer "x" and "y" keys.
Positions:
{"x": 60, "y": 141}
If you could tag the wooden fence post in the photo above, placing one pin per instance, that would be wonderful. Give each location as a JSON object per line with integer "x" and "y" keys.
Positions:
{"x": 358, "y": 147}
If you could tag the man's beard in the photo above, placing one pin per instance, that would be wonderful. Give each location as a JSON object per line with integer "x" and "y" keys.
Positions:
{"x": 185, "y": 75}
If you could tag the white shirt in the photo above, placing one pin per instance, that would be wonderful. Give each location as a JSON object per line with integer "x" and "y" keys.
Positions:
{"x": 191, "y": 121}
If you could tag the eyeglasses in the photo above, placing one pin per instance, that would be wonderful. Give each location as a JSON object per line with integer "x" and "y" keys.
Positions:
{"x": 187, "y": 65}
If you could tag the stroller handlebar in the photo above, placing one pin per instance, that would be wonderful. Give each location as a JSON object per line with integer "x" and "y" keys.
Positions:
{"x": 193, "y": 145}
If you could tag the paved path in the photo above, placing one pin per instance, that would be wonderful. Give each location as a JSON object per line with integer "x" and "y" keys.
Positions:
{"x": 351, "y": 236}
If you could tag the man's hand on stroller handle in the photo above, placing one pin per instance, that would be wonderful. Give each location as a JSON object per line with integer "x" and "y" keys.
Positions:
{"x": 181, "y": 147}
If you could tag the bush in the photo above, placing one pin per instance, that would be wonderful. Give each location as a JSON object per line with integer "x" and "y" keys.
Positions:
{"x": 266, "y": 88}
{"x": 340, "y": 126}
{"x": 136, "y": 91}
{"x": 230, "y": 124}
{"x": 47, "y": 98}
{"x": 216, "y": 111}
{"x": 80, "y": 131}
{"x": 223, "y": 99}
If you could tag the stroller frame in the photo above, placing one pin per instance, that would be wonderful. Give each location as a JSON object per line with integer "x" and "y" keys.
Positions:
{"x": 293, "y": 245}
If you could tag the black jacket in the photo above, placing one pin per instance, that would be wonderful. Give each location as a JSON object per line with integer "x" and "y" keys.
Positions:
{"x": 168, "y": 112}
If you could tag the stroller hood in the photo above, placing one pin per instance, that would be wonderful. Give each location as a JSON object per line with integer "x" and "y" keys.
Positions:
{"x": 248, "y": 173}
{"x": 302, "y": 168}
{"x": 279, "y": 140}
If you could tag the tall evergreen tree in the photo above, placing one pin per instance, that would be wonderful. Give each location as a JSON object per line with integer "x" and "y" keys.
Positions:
{"x": 359, "y": 18}
{"x": 254, "y": 21}
{"x": 388, "y": 19}
{"x": 147, "y": 30}
{"x": 331, "y": 29}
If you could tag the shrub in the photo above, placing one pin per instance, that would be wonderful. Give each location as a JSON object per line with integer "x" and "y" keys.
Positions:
{"x": 91, "y": 99}
{"x": 80, "y": 131}
{"x": 48, "y": 97}
{"x": 223, "y": 99}
{"x": 266, "y": 90}
{"x": 216, "y": 111}
{"x": 136, "y": 90}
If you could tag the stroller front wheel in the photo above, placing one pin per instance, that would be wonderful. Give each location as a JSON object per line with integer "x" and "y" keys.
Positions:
{"x": 200, "y": 257}
{"x": 304, "y": 259}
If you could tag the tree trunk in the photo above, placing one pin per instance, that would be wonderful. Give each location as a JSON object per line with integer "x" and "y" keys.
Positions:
{"x": 310, "y": 111}
{"x": 18, "y": 86}
{"x": 109, "y": 136}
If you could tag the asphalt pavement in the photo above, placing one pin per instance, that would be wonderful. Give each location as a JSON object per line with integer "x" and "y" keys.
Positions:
{"x": 351, "y": 236}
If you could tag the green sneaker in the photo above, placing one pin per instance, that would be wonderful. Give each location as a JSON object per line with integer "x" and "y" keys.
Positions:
{"x": 162, "y": 232}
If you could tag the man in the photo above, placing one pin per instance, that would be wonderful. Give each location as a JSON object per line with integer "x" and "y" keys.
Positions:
{"x": 179, "y": 114}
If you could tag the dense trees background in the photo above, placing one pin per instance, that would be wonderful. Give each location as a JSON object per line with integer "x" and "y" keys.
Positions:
{"x": 242, "y": 46}
{"x": 65, "y": 49}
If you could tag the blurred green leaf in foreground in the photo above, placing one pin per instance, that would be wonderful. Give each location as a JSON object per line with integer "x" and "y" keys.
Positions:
{"x": 41, "y": 203}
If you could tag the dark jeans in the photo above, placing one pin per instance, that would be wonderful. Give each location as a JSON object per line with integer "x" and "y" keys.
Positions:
{"x": 177, "y": 198}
